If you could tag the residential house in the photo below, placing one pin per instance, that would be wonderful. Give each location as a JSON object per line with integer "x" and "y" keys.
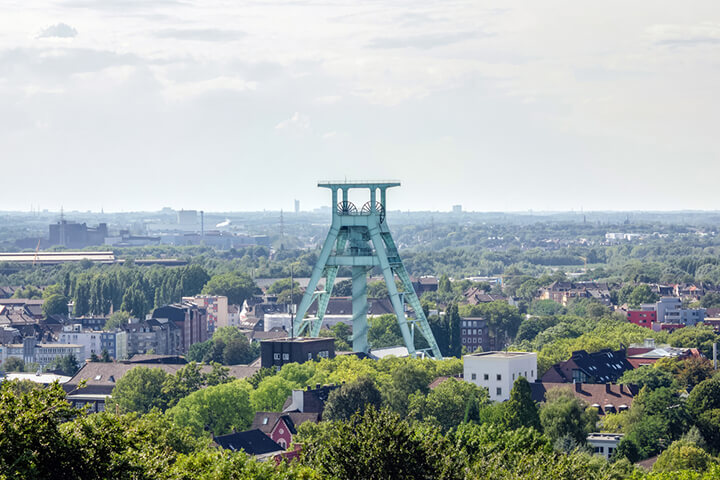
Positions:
{"x": 605, "y": 366}
{"x": 157, "y": 335}
{"x": 474, "y": 334}
{"x": 604, "y": 444}
{"x": 94, "y": 382}
{"x": 605, "y": 397}
{"x": 191, "y": 319}
{"x": 475, "y": 296}
{"x": 216, "y": 307}
{"x": 280, "y": 426}
{"x": 253, "y": 442}
{"x": 310, "y": 400}
{"x": 648, "y": 353}
{"x": 564, "y": 292}
{"x": 95, "y": 342}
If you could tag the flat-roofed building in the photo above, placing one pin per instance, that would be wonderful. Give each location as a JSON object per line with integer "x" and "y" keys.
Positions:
{"x": 43, "y": 354}
{"x": 497, "y": 371}
{"x": 604, "y": 444}
{"x": 275, "y": 353}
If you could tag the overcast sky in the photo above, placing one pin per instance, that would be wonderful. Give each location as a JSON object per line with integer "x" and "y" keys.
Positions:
{"x": 232, "y": 105}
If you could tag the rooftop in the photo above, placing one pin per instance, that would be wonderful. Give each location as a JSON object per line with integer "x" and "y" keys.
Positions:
{"x": 298, "y": 340}
{"x": 501, "y": 354}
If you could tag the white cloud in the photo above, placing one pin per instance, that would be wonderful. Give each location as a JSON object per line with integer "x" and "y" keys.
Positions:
{"x": 59, "y": 30}
{"x": 178, "y": 91}
{"x": 296, "y": 123}
{"x": 685, "y": 35}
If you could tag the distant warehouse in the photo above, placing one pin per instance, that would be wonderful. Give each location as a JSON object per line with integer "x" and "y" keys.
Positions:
{"x": 53, "y": 258}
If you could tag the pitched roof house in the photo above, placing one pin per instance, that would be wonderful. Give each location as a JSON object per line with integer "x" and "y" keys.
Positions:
{"x": 600, "y": 367}
{"x": 607, "y": 398}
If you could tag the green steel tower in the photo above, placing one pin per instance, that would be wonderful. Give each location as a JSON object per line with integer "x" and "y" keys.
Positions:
{"x": 361, "y": 240}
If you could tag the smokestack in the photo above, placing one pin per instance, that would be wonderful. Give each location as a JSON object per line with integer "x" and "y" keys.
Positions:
{"x": 202, "y": 223}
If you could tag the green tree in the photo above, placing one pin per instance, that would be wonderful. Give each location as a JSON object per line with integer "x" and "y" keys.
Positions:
{"x": 271, "y": 393}
{"x": 681, "y": 455}
{"x": 215, "y": 410}
{"x": 192, "y": 279}
{"x": 184, "y": 382}
{"x": 640, "y": 295}
{"x": 384, "y": 332}
{"x": 691, "y": 371}
{"x": 352, "y": 398}
{"x": 238, "y": 351}
{"x": 451, "y": 403}
{"x": 705, "y": 396}
{"x": 341, "y": 332}
{"x": 503, "y": 320}
{"x": 708, "y": 422}
{"x": 376, "y": 445}
{"x": 521, "y": 410}
{"x": 562, "y": 414}
{"x": 55, "y": 305}
{"x": 135, "y": 302}
{"x": 647, "y": 376}
{"x": 116, "y": 320}
{"x": 67, "y": 365}
{"x": 29, "y": 291}
{"x": 139, "y": 390}
{"x": 198, "y": 352}
{"x": 31, "y": 444}
{"x": 545, "y": 307}
{"x": 14, "y": 364}
{"x": 407, "y": 378}
{"x": 236, "y": 287}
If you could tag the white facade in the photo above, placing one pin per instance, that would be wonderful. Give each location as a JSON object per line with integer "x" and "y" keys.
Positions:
{"x": 41, "y": 353}
{"x": 281, "y": 320}
{"x": 497, "y": 371}
{"x": 92, "y": 341}
{"x": 604, "y": 444}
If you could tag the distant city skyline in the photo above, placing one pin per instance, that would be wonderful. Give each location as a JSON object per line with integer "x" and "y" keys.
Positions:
{"x": 244, "y": 106}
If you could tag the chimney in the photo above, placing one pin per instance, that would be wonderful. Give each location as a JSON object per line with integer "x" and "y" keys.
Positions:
{"x": 578, "y": 387}
{"x": 298, "y": 400}
{"x": 607, "y": 388}
{"x": 621, "y": 389}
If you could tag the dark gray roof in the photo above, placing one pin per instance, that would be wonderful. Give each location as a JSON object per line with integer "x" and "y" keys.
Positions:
{"x": 253, "y": 442}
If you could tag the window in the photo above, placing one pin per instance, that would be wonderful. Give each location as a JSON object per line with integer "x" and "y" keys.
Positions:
{"x": 499, "y": 377}
{"x": 486, "y": 377}
{"x": 474, "y": 376}
{"x": 276, "y": 356}
{"x": 286, "y": 356}
{"x": 498, "y": 391}
{"x": 309, "y": 356}
{"x": 513, "y": 377}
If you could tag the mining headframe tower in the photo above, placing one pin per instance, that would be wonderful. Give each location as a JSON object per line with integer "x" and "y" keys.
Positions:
{"x": 360, "y": 240}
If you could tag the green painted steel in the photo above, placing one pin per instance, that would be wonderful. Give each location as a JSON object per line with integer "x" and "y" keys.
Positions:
{"x": 360, "y": 239}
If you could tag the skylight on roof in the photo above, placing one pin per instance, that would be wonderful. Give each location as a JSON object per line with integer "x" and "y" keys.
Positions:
{"x": 98, "y": 377}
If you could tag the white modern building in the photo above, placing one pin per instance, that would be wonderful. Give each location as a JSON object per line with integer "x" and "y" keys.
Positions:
{"x": 95, "y": 342}
{"x": 497, "y": 371}
{"x": 41, "y": 353}
{"x": 604, "y": 444}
